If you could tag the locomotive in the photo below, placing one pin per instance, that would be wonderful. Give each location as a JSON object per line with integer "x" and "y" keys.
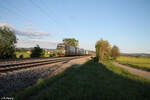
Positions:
{"x": 67, "y": 50}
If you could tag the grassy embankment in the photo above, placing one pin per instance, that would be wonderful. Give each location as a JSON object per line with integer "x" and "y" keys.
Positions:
{"x": 136, "y": 62}
{"x": 90, "y": 82}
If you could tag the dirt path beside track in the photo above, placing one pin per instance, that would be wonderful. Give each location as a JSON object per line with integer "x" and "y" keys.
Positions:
{"x": 139, "y": 72}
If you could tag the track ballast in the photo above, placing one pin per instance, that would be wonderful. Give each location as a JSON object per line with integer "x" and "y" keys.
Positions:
{"x": 4, "y": 68}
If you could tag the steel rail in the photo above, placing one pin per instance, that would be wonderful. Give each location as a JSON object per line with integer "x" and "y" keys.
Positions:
{"x": 32, "y": 62}
{"x": 13, "y": 67}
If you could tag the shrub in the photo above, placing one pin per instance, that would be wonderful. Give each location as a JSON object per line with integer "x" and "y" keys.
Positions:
{"x": 21, "y": 57}
{"x": 95, "y": 59}
{"x": 37, "y": 52}
{"x": 115, "y": 52}
{"x": 102, "y": 47}
{"x": 53, "y": 55}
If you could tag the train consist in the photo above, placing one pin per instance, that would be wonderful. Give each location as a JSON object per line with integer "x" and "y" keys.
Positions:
{"x": 67, "y": 50}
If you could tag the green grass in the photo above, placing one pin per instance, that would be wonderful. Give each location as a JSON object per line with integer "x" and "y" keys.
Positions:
{"x": 46, "y": 55}
{"x": 89, "y": 82}
{"x": 136, "y": 62}
{"x": 25, "y": 55}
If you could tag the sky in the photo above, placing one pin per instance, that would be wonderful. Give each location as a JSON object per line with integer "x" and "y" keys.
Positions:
{"x": 125, "y": 23}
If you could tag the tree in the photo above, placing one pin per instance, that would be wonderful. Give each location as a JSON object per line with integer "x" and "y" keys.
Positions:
{"x": 102, "y": 47}
{"x": 7, "y": 43}
{"x": 53, "y": 55}
{"x": 115, "y": 52}
{"x": 71, "y": 41}
{"x": 37, "y": 52}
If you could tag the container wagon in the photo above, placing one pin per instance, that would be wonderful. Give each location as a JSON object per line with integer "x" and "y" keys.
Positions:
{"x": 68, "y": 50}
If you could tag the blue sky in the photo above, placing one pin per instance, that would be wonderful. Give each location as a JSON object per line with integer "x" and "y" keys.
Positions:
{"x": 125, "y": 23}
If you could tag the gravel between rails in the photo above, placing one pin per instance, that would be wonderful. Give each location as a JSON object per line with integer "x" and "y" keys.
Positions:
{"x": 16, "y": 80}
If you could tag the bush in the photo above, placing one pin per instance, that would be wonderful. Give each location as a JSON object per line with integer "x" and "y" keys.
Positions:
{"x": 102, "y": 47}
{"x": 50, "y": 55}
{"x": 115, "y": 52}
{"x": 53, "y": 55}
{"x": 95, "y": 59}
{"x": 21, "y": 57}
{"x": 107, "y": 56}
{"x": 37, "y": 52}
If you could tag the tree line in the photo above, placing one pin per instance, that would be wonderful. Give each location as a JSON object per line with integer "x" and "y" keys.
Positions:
{"x": 8, "y": 47}
{"x": 105, "y": 52}
{"x": 8, "y": 41}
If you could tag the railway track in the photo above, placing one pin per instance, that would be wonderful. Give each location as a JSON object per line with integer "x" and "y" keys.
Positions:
{"x": 14, "y": 61}
{"x": 23, "y": 65}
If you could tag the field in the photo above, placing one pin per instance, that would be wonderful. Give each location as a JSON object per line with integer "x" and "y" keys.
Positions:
{"x": 25, "y": 55}
{"x": 136, "y": 62}
{"x": 89, "y": 82}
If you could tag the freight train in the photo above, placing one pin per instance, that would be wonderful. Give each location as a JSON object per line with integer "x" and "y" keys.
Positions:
{"x": 67, "y": 50}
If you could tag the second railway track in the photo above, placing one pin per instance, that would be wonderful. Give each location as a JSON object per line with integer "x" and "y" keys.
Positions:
{"x": 18, "y": 66}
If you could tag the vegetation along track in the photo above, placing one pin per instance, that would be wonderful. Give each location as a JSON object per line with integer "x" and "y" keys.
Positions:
{"x": 22, "y": 65}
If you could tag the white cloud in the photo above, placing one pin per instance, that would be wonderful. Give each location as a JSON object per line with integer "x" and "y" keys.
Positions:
{"x": 33, "y": 42}
{"x": 25, "y": 32}
{"x": 29, "y": 38}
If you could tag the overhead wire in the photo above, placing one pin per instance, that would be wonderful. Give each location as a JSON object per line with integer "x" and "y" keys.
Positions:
{"x": 47, "y": 14}
{"x": 15, "y": 12}
{"x": 42, "y": 11}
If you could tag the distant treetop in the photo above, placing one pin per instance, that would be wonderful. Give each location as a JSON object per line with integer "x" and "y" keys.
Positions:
{"x": 71, "y": 41}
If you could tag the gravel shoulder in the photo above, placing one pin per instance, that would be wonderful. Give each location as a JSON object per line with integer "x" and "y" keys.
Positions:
{"x": 142, "y": 73}
{"x": 76, "y": 62}
{"x": 14, "y": 81}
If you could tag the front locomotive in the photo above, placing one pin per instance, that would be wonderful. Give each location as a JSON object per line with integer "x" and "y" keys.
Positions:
{"x": 61, "y": 49}
{"x": 65, "y": 50}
